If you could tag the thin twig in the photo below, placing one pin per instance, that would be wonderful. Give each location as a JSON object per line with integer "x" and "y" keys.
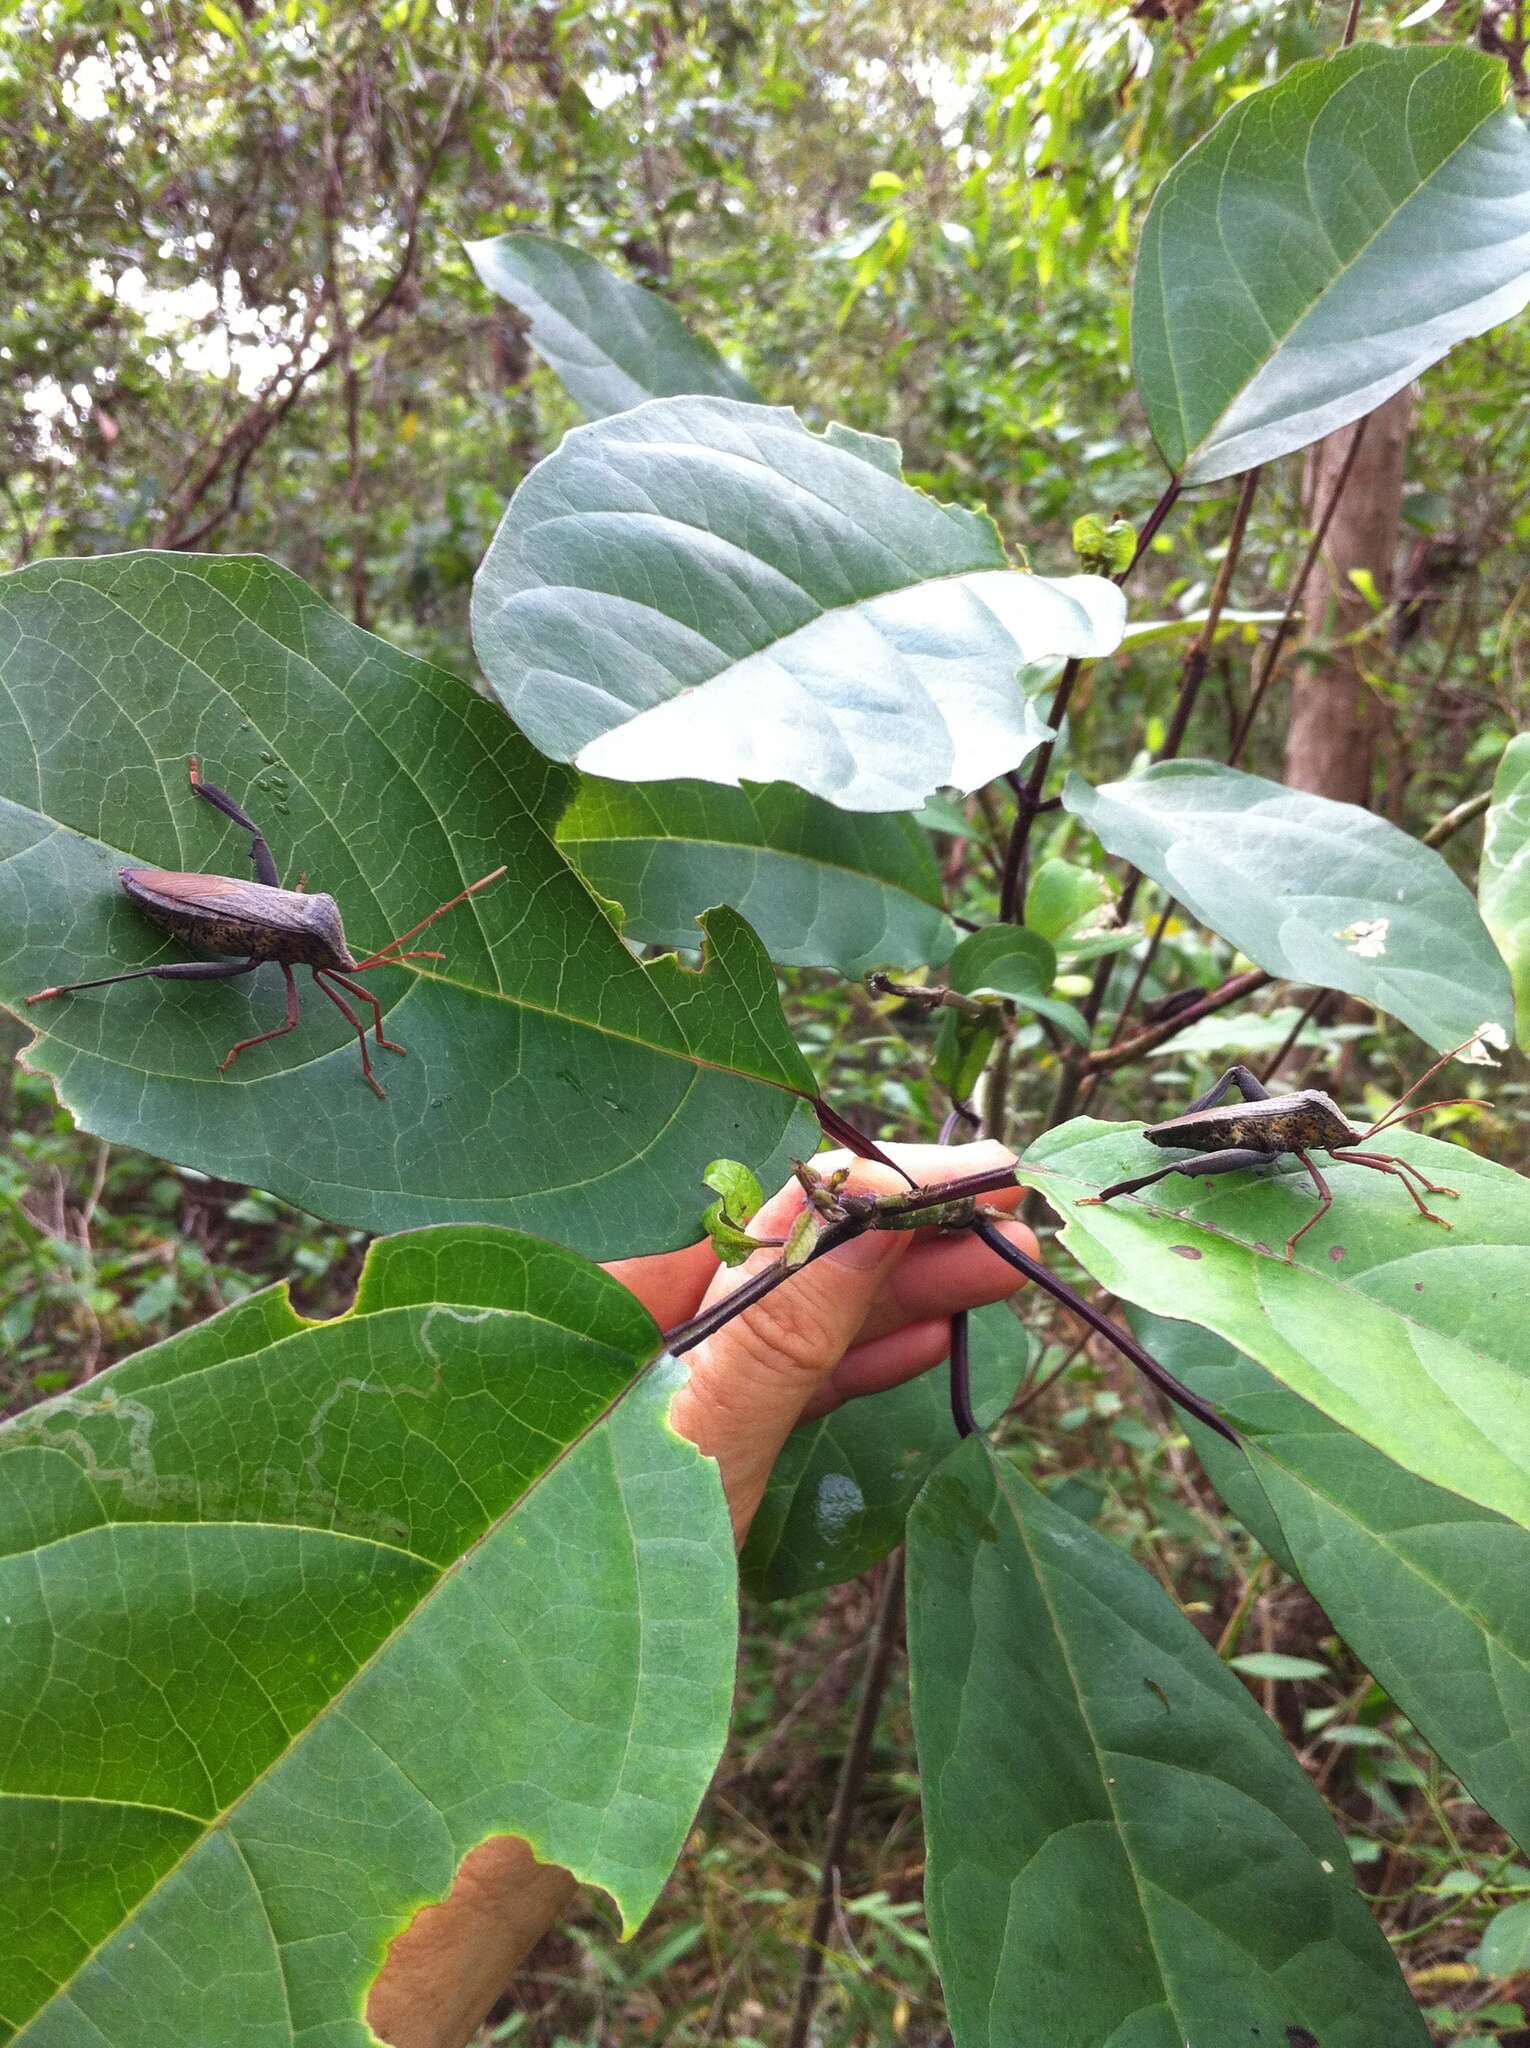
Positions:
{"x": 1294, "y": 597}
{"x": 1308, "y": 1011}
{"x": 1463, "y": 814}
{"x": 1231, "y": 991}
{"x": 1193, "y": 674}
{"x": 885, "y": 1633}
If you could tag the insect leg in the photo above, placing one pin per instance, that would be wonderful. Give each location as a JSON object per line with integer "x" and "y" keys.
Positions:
{"x": 1248, "y": 1086}
{"x": 1325, "y": 1203}
{"x": 281, "y": 1030}
{"x": 260, "y": 853}
{"x": 1404, "y": 1166}
{"x": 366, "y": 996}
{"x": 1231, "y": 1160}
{"x": 360, "y": 1030}
{"x": 1123, "y": 1340}
{"x": 1387, "y": 1162}
{"x": 176, "y": 970}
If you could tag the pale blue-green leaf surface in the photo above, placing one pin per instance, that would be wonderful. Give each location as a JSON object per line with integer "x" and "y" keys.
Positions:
{"x": 612, "y": 343}
{"x": 1503, "y": 880}
{"x": 1332, "y": 236}
{"x": 703, "y": 589}
{"x": 1312, "y": 890}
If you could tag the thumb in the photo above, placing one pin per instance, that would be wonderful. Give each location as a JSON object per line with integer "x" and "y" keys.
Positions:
{"x": 751, "y": 1382}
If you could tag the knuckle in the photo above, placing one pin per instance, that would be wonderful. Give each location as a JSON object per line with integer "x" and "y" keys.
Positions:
{"x": 781, "y": 1334}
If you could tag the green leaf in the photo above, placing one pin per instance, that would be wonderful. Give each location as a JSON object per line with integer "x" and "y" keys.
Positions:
{"x": 723, "y": 1220}
{"x": 1425, "y": 1587}
{"x": 821, "y": 887}
{"x": 298, "y": 1613}
{"x": 1411, "y": 1337}
{"x": 1104, "y": 548}
{"x": 550, "y": 1078}
{"x": 1062, "y": 899}
{"x": 1120, "y": 1846}
{"x": 1503, "y": 881}
{"x": 1330, "y": 238}
{"x": 1504, "y": 1950}
{"x": 1007, "y": 961}
{"x": 1312, "y": 890}
{"x": 707, "y": 589}
{"x": 612, "y": 343}
{"x": 741, "y": 1192}
{"x": 840, "y": 1492}
{"x": 1271, "y": 1664}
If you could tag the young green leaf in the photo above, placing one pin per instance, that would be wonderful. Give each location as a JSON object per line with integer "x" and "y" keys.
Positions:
{"x": 740, "y": 1198}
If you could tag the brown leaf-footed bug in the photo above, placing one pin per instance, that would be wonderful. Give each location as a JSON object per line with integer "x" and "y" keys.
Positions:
{"x": 1263, "y": 1126}
{"x": 260, "y": 921}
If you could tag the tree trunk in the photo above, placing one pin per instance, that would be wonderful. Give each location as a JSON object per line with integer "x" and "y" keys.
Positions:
{"x": 1336, "y": 720}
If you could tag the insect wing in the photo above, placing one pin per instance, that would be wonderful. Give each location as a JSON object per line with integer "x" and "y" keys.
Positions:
{"x": 234, "y": 917}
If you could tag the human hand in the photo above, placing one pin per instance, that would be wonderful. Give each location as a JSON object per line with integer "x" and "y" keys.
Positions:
{"x": 864, "y": 1317}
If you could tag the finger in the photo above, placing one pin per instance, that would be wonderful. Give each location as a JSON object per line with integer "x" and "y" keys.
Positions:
{"x": 884, "y": 1362}
{"x": 927, "y": 1165}
{"x": 670, "y": 1285}
{"x": 750, "y": 1382}
{"x": 942, "y": 1272}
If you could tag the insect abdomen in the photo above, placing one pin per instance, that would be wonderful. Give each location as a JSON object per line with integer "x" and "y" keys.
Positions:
{"x": 242, "y": 919}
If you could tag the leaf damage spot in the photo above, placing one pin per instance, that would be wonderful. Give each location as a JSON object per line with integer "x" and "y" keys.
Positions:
{"x": 839, "y": 1501}
{"x": 1186, "y": 1251}
{"x": 1337, "y": 1253}
{"x": 1487, "y": 1039}
{"x": 1366, "y": 938}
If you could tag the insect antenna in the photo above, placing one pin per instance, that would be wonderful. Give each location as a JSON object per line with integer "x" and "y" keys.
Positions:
{"x": 1392, "y": 1116}
{"x": 389, "y": 956}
